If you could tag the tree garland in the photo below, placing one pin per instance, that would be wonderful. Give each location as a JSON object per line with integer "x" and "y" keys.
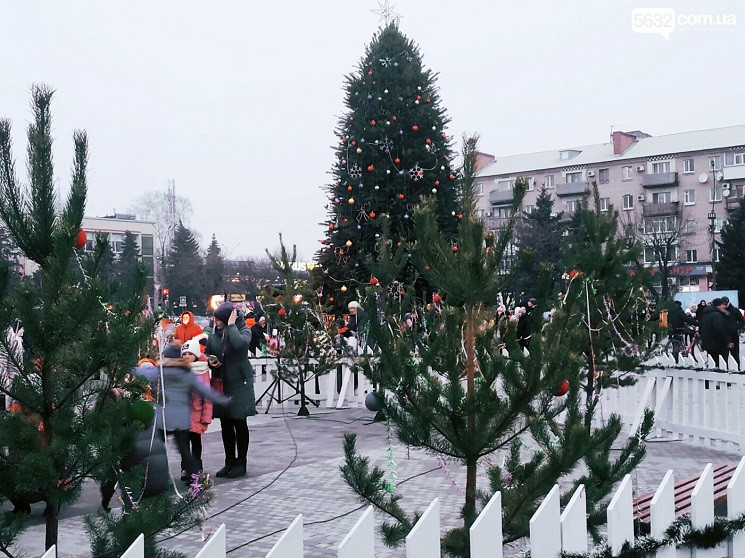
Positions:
{"x": 680, "y": 534}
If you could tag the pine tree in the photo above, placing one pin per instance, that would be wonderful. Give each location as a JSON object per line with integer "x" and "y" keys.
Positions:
{"x": 184, "y": 269}
{"x": 454, "y": 394}
{"x": 538, "y": 237}
{"x": 304, "y": 341}
{"x": 214, "y": 269}
{"x": 62, "y": 433}
{"x": 107, "y": 266}
{"x": 731, "y": 267}
{"x": 392, "y": 150}
{"x": 127, "y": 264}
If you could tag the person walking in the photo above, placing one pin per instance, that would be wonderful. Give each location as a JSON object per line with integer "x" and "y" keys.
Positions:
{"x": 227, "y": 351}
{"x": 679, "y": 325}
{"x": 735, "y": 324}
{"x": 713, "y": 330}
{"x": 259, "y": 336}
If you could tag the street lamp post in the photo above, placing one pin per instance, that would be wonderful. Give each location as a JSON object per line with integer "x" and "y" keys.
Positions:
{"x": 713, "y": 225}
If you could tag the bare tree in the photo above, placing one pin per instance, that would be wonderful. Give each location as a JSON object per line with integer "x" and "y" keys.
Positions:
{"x": 664, "y": 230}
{"x": 164, "y": 210}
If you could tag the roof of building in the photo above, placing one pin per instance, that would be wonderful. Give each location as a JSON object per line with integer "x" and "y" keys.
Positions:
{"x": 653, "y": 146}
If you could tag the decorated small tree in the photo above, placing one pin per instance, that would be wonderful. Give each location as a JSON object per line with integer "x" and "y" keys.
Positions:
{"x": 303, "y": 345}
{"x": 457, "y": 396}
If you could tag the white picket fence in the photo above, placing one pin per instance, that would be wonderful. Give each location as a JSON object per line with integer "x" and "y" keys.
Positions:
{"x": 551, "y": 529}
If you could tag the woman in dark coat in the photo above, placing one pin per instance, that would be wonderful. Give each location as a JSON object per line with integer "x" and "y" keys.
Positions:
{"x": 227, "y": 350}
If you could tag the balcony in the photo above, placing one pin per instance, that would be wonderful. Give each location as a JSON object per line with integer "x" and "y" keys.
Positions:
{"x": 501, "y": 197}
{"x": 660, "y": 209}
{"x": 732, "y": 203}
{"x": 660, "y": 179}
{"x": 573, "y": 189}
{"x": 495, "y": 223}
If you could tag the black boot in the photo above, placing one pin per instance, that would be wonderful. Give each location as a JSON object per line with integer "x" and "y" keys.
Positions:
{"x": 238, "y": 470}
{"x": 229, "y": 464}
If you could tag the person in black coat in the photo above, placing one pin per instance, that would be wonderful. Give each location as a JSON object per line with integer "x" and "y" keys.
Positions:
{"x": 735, "y": 324}
{"x": 227, "y": 350}
{"x": 259, "y": 336}
{"x": 713, "y": 330}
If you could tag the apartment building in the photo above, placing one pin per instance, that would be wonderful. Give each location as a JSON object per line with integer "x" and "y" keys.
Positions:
{"x": 688, "y": 182}
{"x": 115, "y": 227}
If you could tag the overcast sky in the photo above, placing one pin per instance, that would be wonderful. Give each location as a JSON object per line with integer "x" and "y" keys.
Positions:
{"x": 237, "y": 101}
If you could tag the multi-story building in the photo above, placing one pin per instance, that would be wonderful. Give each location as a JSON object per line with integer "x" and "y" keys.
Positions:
{"x": 684, "y": 183}
{"x": 115, "y": 227}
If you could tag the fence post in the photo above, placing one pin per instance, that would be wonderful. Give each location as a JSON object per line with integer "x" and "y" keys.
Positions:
{"x": 290, "y": 544}
{"x": 702, "y": 508}
{"x": 346, "y": 375}
{"x": 360, "y": 541}
{"x": 621, "y": 516}
{"x": 486, "y": 532}
{"x": 662, "y": 512}
{"x": 136, "y": 549}
{"x": 215, "y": 546}
{"x": 545, "y": 527}
{"x": 52, "y": 552}
{"x": 574, "y": 523}
{"x": 736, "y": 506}
{"x": 424, "y": 539}
{"x": 643, "y": 404}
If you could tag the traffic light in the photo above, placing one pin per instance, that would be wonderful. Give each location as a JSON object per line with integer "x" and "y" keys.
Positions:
{"x": 165, "y": 293}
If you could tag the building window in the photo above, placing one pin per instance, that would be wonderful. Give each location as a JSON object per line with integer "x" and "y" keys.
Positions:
{"x": 718, "y": 224}
{"x": 628, "y": 201}
{"x": 651, "y": 254}
{"x": 734, "y": 158}
{"x": 505, "y": 185}
{"x": 661, "y": 197}
{"x": 531, "y": 183}
{"x": 501, "y": 212}
{"x": 529, "y": 209}
{"x": 480, "y": 213}
{"x": 715, "y": 162}
{"x": 571, "y": 205}
{"x": 603, "y": 175}
{"x": 716, "y": 254}
{"x": 147, "y": 244}
{"x": 626, "y": 173}
{"x": 689, "y": 197}
{"x": 661, "y": 167}
{"x": 691, "y": 256}
{"x": 479, "y": 189}
{"x": 690, "y": 227}
{"x": 688, "y": 165}
{"x": 715, "y": 194}
{"x": 604, "y": 204}
{"x": 660, "y": 225}
{"x": 573, "y": 177}
{"x": 549, "y": 181}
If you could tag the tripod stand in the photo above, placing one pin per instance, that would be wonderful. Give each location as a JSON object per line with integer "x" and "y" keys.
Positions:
{"x": 296, "y": 385}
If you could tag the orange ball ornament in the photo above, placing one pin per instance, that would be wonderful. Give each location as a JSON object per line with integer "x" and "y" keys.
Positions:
{"x": 373, "y": 280}
{"x": 436, "y": 297}
{"x": 562, "y": 388}
{"x": 80, "y": 239}
{"x": 350, "y": 201}
{"x": 343, "y": 288}
{"x": 348, "y": 244}
{"x": 455, "y": 248}
{"x": 279, "y": 297}
{"x": 282, "y": 312}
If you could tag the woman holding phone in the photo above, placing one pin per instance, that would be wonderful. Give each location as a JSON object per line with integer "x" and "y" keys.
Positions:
{"x": 227, "y": 350}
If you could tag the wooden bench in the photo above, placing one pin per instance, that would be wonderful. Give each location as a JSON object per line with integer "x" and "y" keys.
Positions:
{"x": 683, "y": 490}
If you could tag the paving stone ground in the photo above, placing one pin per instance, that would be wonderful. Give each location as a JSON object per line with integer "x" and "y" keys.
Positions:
{"x": 294, "y": 468}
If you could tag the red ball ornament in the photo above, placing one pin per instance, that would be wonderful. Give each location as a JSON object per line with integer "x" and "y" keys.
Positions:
{"x": 281, "y": 312}
{"x": 397, "y": 160}
{"x": 418, "y": 97}
{"x": 331, "y": 227}
{"x": 394, "y": 117}
{"x": 429, "y": 140}
{"x": 373, "y": 280}
{"x": 460, "y": 216}
{"x": 452, "y": 177}
{"x": 80, "y": 239}
{"x": 369, "y": 73}
{"x": 401, "y": 196}
{"x": 436, "y": 298}
{"x": 279, "y": 297}
{"x": 455, "y": 248}
{"x": 427, "y": 100}
{"x": 349, "y": 188}
{"x": 562, "y": 389}
{"x": 398, "y": 243}
{"x": 372, "y": 122}
{"x": 437, "y": 182}
{"x": 415, "y": 128}
{"x": 331, "y": 299}
{"x": 372, "y": 215}
{"x": 370, "y": 168}
{"x": 426, "y": 267}
{"x": 354, "y": 143}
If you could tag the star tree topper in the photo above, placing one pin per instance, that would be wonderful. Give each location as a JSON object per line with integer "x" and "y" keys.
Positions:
{"x": 386, "y": 12}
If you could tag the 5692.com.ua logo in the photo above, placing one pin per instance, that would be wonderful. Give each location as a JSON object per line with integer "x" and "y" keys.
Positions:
{"x": 664, "y": 21}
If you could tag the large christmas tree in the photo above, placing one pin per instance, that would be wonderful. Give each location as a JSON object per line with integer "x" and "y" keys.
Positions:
{"x": 392, "y": 150}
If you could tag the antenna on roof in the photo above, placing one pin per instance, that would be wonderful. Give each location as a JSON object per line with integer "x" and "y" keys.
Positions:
{"x": 611, "y": 133}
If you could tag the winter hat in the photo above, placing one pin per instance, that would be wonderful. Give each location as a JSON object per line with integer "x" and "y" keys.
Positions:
{"x": 353, "y": 304}
{"x": 223, "y": 311}
{"x": 192, "y": 346}
{"x": 725, "y": 300}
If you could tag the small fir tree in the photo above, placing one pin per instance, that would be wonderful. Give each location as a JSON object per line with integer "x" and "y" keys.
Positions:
{"x": 455, "y": 395}
{"x": 392, "y": 149}
{"x": 184, "y": 270}
{"x": 127, "y": 264}
{"x": 731, "y": 266}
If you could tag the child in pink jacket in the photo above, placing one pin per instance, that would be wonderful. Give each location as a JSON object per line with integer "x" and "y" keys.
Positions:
{"x": 201, "y": 408}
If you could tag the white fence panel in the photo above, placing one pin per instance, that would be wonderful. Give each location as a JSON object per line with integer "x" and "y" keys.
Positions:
{"x": 621, "y": 516}
{"x": 702, "y": 509}
{"x": 486, "y": 531}
{"x": 574, "y": 523}
{"x": 51, "y": 553}
{"x": 424, "y": 539}
{"x": 360, "y": 541}
{"x": 662, "y": 512}
{"x": 216, "y": 546}
{"x": 290, "y": 544}
{"x": 136, "y": 549}
{"x": 545, "y": 527}
{"x": 736, "y": 506}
